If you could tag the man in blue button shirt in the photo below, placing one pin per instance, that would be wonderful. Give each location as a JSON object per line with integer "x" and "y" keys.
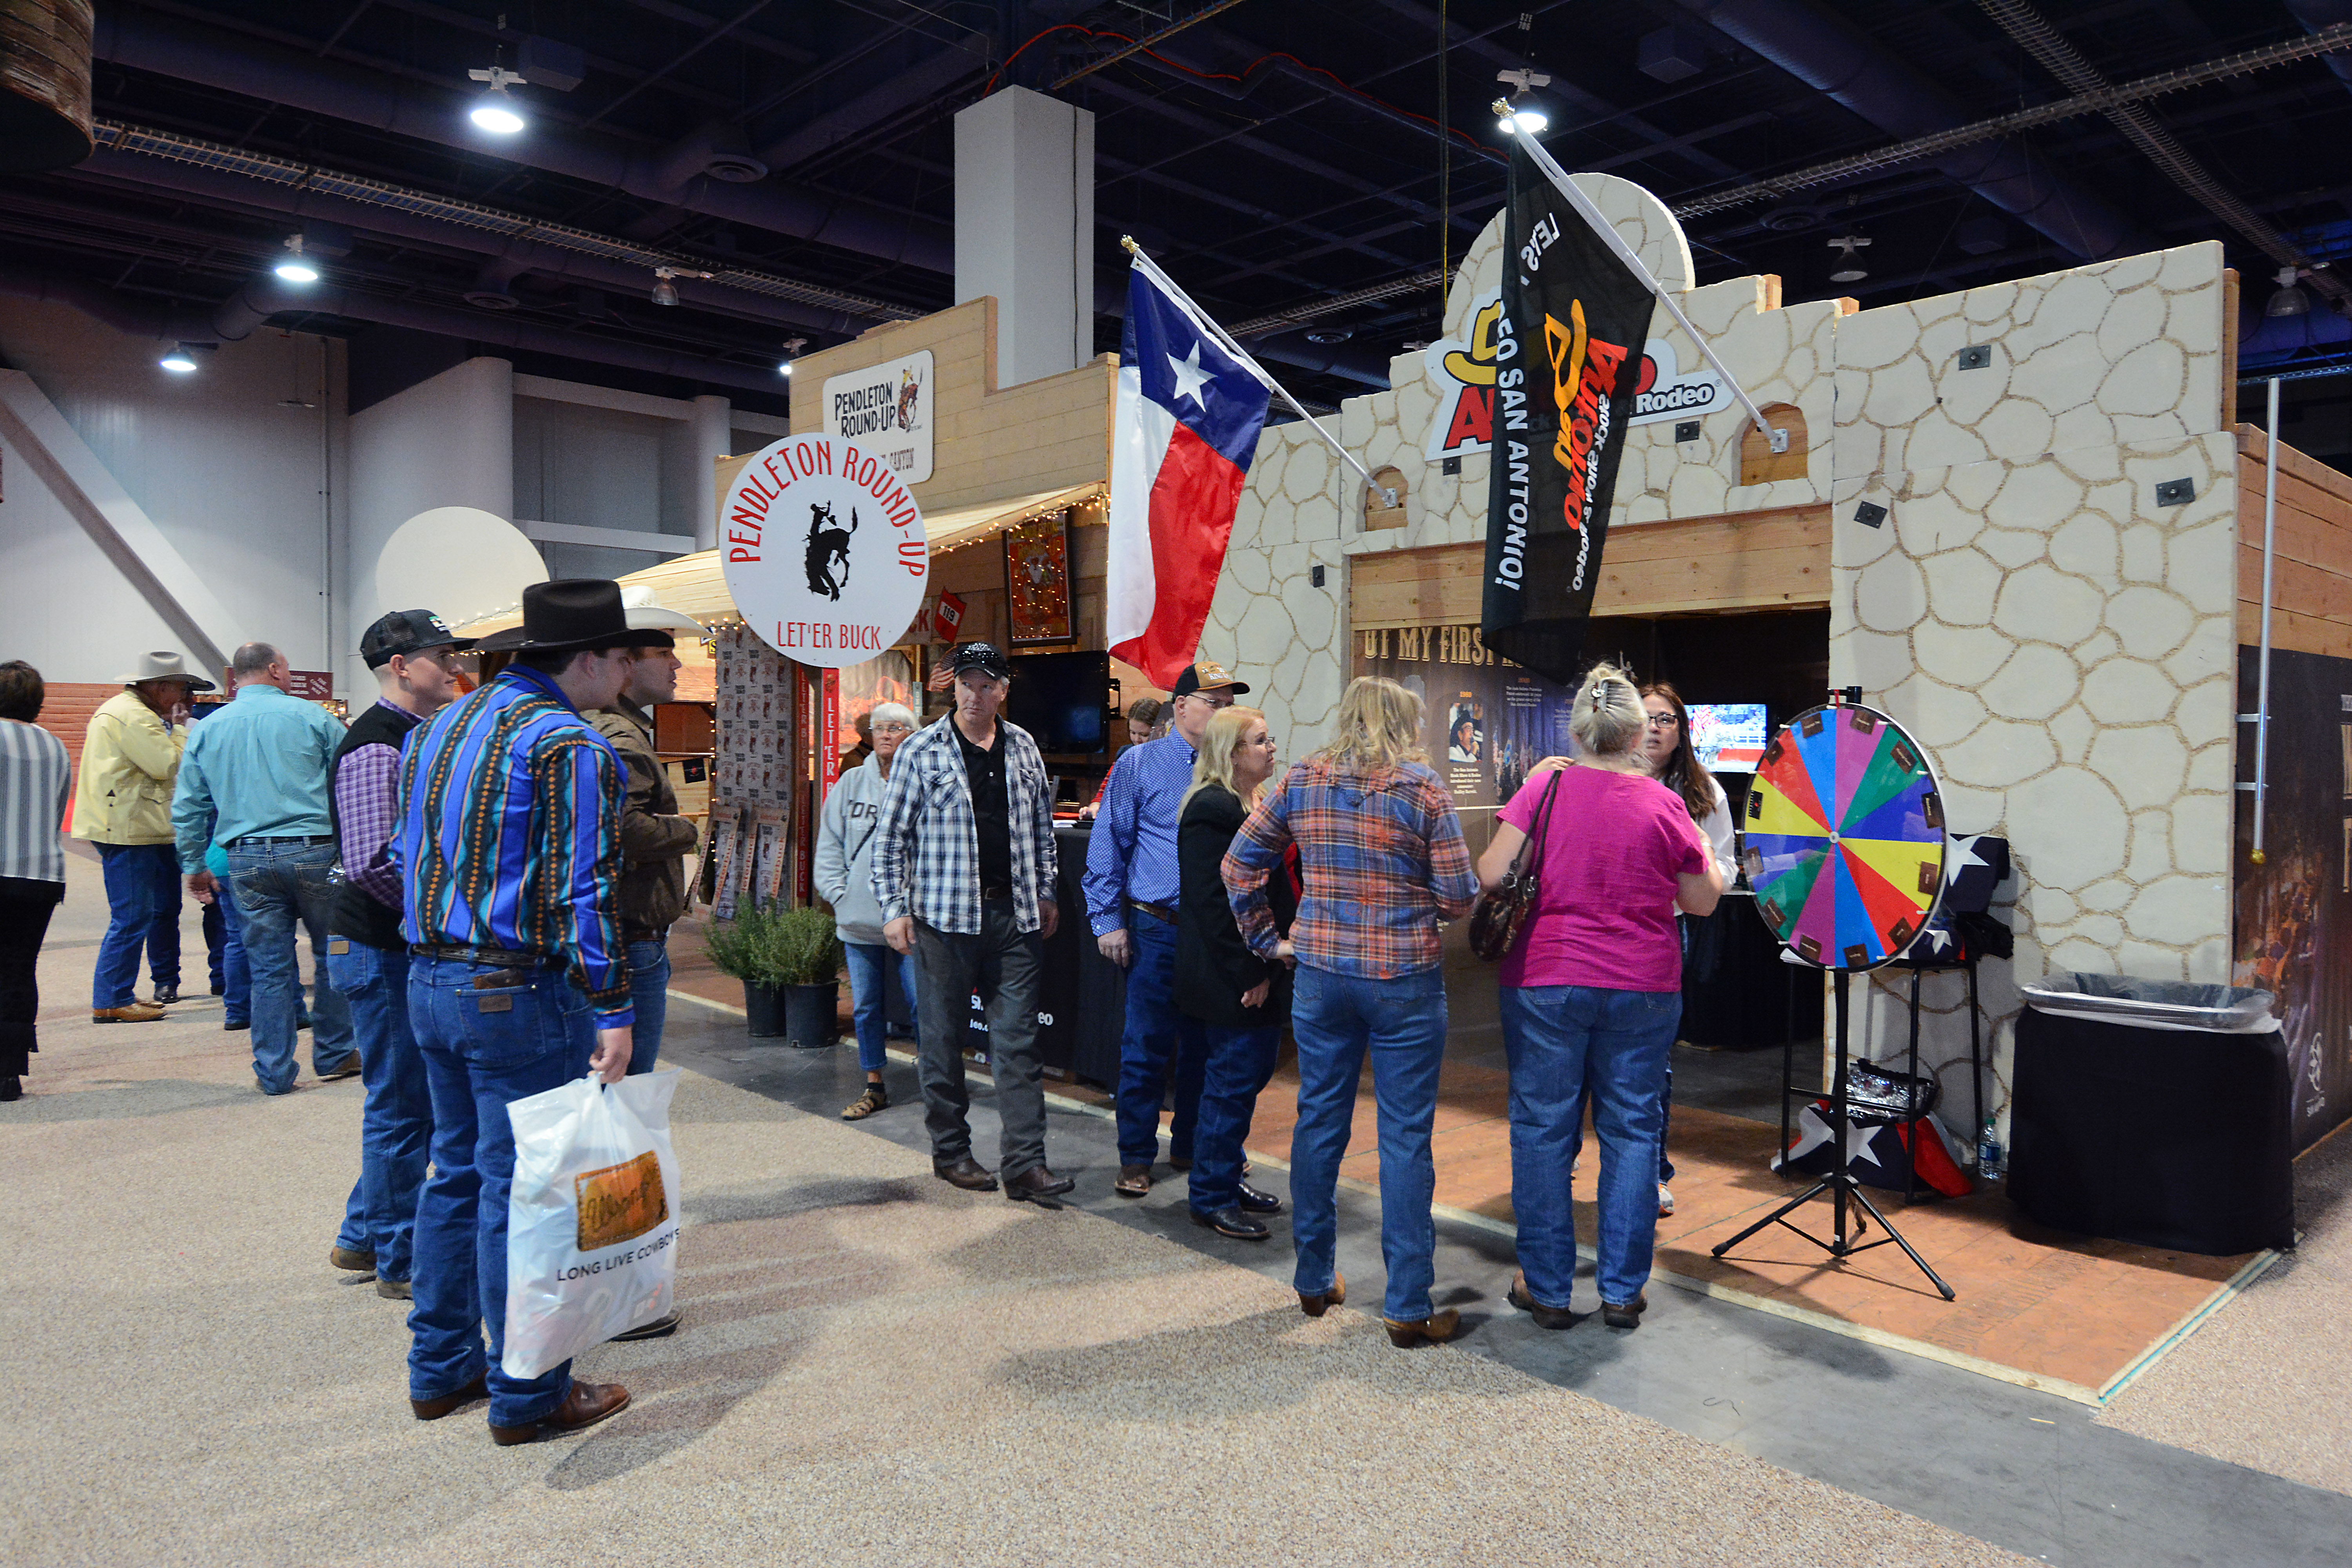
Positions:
{"x": 1132, "y": 895}
{"x": 254, "y": 778}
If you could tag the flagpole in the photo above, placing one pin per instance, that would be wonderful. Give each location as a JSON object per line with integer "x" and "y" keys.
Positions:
{"x": 1224, "y": 340}
{"x": 1778, "y": 440}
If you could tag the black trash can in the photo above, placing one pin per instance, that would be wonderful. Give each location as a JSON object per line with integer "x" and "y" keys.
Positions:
{"x": 2175, "y": 1137}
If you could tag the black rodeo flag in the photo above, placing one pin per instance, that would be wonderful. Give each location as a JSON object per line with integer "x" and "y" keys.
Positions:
{"x": 1568, "y": 354}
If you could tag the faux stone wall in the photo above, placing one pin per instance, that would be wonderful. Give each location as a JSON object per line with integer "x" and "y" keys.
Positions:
{"x": 2062, "y": 645}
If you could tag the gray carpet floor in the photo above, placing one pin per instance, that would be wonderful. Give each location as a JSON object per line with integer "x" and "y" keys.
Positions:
{"x": 875, "y": 1368}
{"x": 2266, "y": 1382}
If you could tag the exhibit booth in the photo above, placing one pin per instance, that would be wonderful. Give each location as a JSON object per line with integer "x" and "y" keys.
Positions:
{"x": 2023, "y": 518}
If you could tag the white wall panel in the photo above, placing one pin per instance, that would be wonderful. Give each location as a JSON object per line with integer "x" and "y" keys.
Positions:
{"x": 244, "y": 481}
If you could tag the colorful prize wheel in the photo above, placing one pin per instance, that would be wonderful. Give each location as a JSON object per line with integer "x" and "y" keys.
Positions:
{"x": 1844, "y": 841}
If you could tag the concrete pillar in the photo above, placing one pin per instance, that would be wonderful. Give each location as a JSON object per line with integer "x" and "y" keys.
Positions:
{"x": 712, "y": 437}
{"x": 1024, "y": 227}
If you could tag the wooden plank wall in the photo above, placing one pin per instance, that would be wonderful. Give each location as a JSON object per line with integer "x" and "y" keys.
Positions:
{"x": 2311, "y": 596}
{"x": 988, "y": 444}
{"x": 1746, "y": 560}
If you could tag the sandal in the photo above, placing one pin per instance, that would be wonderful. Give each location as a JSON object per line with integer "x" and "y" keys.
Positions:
{"x": 875, "y": 1098}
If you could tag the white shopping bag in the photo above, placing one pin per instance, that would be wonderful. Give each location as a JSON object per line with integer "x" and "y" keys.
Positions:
{"x": 592, "y": 1224}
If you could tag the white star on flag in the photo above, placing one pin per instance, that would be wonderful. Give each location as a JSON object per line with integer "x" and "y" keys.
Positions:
{"x": 1960, "y": 852}
{"x": 1189, "y": 376}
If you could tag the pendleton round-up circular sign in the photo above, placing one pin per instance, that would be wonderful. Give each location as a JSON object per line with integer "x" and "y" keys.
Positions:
{"x": 824, "y": 550}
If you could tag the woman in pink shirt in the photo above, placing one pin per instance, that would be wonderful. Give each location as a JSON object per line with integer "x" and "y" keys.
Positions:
{"x": 1592, "y": 992}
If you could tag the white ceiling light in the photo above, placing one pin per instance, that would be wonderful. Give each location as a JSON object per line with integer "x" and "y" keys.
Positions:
{"x": 179, "y": 361}
{"x": 1850, "y": 267}
{"x": 294, "y": 268}
{"x": 494, "y": 111}
{"x": 2290, "y": 300}
{"x": 1523, "y": 116}
{"x": 665, "y": 292}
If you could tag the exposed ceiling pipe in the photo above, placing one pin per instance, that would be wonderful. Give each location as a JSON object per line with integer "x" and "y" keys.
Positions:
{"x": 512, "y": 256}
{"x": 215, "y": 58}
{"x": 2317, "y": 15}
{"x": 2033, "y": 34}
{"x": 1825, "y": 53}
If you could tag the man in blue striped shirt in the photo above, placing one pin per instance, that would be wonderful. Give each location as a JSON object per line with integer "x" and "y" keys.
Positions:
{"x": 1132, "y": 895}
{"x": 507, "y": 843}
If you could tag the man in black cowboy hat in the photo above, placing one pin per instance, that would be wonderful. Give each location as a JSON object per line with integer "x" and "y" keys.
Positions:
{"x": 507, "y": 842}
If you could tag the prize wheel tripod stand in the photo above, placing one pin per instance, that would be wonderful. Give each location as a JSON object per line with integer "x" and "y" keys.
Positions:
{"x": 1844, "y": 848}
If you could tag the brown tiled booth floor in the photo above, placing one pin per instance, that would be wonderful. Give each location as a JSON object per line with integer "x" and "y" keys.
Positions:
{"x": 2074, "y": 1315}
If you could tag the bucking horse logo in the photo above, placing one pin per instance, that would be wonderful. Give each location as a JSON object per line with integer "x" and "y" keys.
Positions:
{"x": 829, "y": 550}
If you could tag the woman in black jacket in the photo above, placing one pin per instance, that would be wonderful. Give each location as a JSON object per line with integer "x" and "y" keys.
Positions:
{"x": 1239, "y": 998}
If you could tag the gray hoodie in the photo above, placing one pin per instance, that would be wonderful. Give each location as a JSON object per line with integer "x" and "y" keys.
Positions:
{"x": 844, "y": 864}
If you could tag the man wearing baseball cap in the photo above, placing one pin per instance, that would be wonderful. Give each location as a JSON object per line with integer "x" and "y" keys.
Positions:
{"x": 507, "y": 836}
{"x": 968, "y": 805}
{"x": 414, "y": 656}
{"x": 1132, "y": 896}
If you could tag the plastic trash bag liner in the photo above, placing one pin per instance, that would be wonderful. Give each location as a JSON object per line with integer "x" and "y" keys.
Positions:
{"x": 592, "y": 1224}
{"x": 2154, "y": 1003}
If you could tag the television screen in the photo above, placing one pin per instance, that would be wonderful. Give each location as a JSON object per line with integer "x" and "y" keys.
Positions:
{"x": 1728, "y": 736}
{"x": 1059, "y": 698}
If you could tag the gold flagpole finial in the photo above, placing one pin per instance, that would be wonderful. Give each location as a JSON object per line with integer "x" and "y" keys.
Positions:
{"x": 1502, "y": 108}
{"x": 1127, "y": 243}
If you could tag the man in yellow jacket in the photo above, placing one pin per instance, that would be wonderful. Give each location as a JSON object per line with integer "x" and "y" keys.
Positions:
{"x": 123, "y": 805}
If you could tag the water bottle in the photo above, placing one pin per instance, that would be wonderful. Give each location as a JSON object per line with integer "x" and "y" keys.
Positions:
{"x": 1987, "y": 1153}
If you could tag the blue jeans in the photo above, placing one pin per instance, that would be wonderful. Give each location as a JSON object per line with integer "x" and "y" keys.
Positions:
{"x": 142, "y": 902}
{"x": 476, "y": 1063}
{"x": 1239, "y": 1062}
{"x": 1336, "y": 1020}
{"x": 1156, "y": 1033}
{"x": 396, "y": 1123}
{"x": 237, "y": 975}
{"x": 1565, "y": 1044}
{"x": 649, "y": 999}
{"x": 870, "y": 968}
{"x": 280, "y": 884}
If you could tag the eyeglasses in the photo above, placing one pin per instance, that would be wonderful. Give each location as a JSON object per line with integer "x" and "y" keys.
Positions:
{"x": 1663, "y": 720}
{"x": 892, "y": 727}
{"x": 1222, "y": 700}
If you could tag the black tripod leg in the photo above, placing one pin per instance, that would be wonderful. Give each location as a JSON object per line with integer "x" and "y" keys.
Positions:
{"x": 1791, "y": 1207}
{"x": 1933, "y": 1277}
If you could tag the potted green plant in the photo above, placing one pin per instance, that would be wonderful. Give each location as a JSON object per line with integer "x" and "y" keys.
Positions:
{"x": 746, "y": 947}
{"x": 808, "y": 967}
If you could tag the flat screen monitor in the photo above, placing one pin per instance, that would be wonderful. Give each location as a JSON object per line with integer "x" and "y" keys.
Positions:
{"x": 1059, "y": 697}
{"x": 1728, "y": 736}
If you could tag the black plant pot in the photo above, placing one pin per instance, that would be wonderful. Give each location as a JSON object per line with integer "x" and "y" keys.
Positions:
{"x": 763, "y": 1009}
{"x": 810, "y": 1014}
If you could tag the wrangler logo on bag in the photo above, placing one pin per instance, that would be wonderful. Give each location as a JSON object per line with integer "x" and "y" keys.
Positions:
{"x": 620, "y": 1203}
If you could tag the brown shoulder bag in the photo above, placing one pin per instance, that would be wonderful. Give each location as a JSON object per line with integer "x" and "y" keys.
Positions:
{"x": 1495, "y": 919}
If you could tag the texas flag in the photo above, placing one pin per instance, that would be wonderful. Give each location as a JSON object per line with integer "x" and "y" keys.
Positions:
{"x": 1187, "y": 425}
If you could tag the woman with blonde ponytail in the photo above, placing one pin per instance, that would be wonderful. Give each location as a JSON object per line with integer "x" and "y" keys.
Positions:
{"x": 1381, "y": 862}
{"x": 1591, "y": 992}
{"x": 1240, "y": 998}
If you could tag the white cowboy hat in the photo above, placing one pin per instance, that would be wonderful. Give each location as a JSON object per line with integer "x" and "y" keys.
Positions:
{"x": 165, "y": 667}
{"x": 647, "y": 613}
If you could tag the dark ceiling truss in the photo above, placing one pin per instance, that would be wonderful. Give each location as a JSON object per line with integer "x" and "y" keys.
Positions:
{"x": 1280, "y": 154}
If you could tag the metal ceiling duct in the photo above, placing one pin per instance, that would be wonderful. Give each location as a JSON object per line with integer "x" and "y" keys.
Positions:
{"x": 1826, "y": 54}
{"x": 2317, "y": 15}
{"x": 44, "y": 84}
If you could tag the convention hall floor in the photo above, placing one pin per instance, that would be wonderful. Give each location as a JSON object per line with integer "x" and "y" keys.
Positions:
{"x": 877, "y": 1365}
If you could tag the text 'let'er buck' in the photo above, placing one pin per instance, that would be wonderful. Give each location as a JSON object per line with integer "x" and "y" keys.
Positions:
{"x": 824, "y": 550}
{"x": 1568, "y": 356}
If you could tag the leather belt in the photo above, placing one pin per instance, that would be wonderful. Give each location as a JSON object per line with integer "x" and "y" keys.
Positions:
{"x": 1159, "y": 912}
{"x": 989, "y": 895}
{"x": 490, "y": 957}
{"x": 279, "y": 839}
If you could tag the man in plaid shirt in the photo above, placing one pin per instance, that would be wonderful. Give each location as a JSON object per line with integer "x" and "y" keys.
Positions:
{"x": 968, "y": 799}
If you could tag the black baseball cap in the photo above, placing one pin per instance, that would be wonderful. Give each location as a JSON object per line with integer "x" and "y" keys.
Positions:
{"x": 985, "y": 656}
{"x": 407, "y": 632}
{"x": 1208, "y": 675}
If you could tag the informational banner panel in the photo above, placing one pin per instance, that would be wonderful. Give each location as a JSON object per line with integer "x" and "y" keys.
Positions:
{"x": 887, "y": 410}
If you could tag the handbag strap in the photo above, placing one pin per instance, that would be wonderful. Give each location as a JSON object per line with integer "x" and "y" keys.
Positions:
{"x": 1533, "y": 848}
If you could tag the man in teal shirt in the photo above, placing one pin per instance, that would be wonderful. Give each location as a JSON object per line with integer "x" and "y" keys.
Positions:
{"x": 254, "y": 778}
